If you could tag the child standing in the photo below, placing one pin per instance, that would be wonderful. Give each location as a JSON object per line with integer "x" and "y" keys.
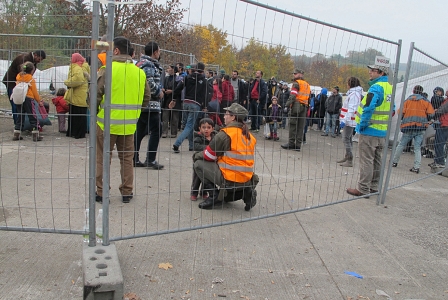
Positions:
{"x": 61, "y": 108}
{"x": 27, "y": 108}
{"x": 201, "y": 141}
{"x": 274, "y": 116}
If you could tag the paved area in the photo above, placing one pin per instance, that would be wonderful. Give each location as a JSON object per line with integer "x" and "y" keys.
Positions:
{"x": 399, "y": 249}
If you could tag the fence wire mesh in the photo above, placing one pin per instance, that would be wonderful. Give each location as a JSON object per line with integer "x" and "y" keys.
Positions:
{"x": 431, "y": 74}
{"x": 44, "y": 185}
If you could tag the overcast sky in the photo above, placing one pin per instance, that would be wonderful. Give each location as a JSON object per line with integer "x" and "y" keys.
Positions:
{"x": 422, "y": 22}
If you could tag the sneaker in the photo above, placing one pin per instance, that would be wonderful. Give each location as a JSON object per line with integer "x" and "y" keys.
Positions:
{"x": 394, "y": 165}
{"x": 434, "y": 165}
{"x": 139, "y": 164}
{"x": 176, "y": 149}
{"x": 193, "y": 197}
{"x": 415, "y": 170}
{"x": 127, "y": 198}
{"x": 325, "y": 134}
{"x": 153, "y": 165}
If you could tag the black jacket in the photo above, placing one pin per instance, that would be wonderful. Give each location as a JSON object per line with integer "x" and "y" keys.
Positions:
{"x": 197, "y": 88}
{"x": 334, "y": 104}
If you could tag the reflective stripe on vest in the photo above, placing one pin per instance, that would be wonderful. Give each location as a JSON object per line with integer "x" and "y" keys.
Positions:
{"x": 380, "y": 117}
{"x": 303, "y": 94}
{"x": 237, "y": 164}
{"x": 128, "y": 88}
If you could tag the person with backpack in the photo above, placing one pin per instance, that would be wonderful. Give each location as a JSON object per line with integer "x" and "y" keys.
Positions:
{"x": 9, "y": 80}
{"x": 26, "y": 108}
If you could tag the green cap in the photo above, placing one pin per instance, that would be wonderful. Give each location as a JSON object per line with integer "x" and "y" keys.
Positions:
{"x": 239, "y": 111}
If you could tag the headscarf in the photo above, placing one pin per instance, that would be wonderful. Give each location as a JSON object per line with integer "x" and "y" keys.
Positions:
{"x": 78, "y": 59}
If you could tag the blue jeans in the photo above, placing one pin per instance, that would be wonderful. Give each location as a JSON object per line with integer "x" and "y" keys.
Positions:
{"x": 331, "y": 123}
{"x": 273, "y": 129}
{"x": 439, "y": 144}
{"x": 191, "y": 110}
{"x": 405, "y": 139}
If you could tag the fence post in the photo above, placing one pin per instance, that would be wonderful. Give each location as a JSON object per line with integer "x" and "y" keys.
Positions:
{"x": 397, "y": 129}
{"x": 106, "y": 143}
{"x": 384, "y": 154}
{"x": 92, "y": 123}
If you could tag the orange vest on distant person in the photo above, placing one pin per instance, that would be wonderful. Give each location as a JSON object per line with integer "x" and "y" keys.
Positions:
{"x": 102, "y": 57}
{"x": 303, "y": 94}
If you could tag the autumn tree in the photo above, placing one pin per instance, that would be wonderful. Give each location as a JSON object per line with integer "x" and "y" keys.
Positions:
{"x": 142, "y": 23}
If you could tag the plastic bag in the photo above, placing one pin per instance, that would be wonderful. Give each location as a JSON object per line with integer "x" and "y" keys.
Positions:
{"x": 266, "y": 130}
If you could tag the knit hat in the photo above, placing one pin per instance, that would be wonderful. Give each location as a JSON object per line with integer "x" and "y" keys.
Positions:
{"x": 336, "y": 88}
{"x": 299, "y": 71}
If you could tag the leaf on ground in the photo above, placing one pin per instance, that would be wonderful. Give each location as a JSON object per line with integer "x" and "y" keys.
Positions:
{"x": 165, "y": 266}
{"x": 131, "y": 296}
{"x": 382, "y": 293}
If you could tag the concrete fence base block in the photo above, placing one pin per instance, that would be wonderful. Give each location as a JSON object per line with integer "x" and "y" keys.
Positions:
{"x": 103, "y": 279}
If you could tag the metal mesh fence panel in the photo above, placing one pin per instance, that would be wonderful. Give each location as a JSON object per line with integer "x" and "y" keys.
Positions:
{"x": 430, "y": 74}
{"x": 44, "y": 186}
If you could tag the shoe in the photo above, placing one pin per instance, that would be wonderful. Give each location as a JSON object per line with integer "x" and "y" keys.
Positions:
{"x": 98, "y": 198}
{"x": 355, "y": 192}
{"x": 128, "y": 198}
{"x": 289, "y": 146}
{"x": 251, "y": 200}
{"x": 176, "y": 149}
{"x": 17, "y": 136}
{"x": 190, "y": 149}
{"x": 276, "y": 138}
{"x": 373, "y": 191}
{"x": 36, "y": 136}
{"x": 268, "y": 138}
{"x": 333, "y": 136}
{"x": 172, "y": 136}
{"x": 342, "y": 160}
{"x": 415, "y": 170}
{"x": 394, "y": 165}
{"x": 139, "y": 164}
{"x": 211, "y": 201}
{"x": 164, "y": 135}
{"x": 205, "y": 196}
{"x": 63, "y": 131}
{"x": 347, "y": 163}
{"x": 325, "y": 134}
{"x": 153, "y": 165}
{"x": 434, "y": 165}
{"x": 193, "y": 197}
{"x": 257, "y": 130}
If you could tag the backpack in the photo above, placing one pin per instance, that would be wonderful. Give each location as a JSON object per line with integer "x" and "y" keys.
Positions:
{"x": 19, "y": 92}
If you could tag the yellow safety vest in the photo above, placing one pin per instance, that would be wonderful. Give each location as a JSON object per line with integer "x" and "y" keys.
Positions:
{"x": 237, "y": 164}
{"x": 380, "y": 117}
{"x": 128, "y": 89}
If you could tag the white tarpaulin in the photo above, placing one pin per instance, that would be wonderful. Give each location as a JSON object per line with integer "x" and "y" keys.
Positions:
{"x": 56, "y": 75}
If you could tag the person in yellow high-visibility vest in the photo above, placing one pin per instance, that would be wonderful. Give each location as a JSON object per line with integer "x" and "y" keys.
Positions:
{"x": 372, "y": 118}
{"x": 130, "y": 93}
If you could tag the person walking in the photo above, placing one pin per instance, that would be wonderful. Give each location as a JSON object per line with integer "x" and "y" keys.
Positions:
{"x": 347, "y": 119}
{"x": 417, "y": 115}
{"x": 372, "y": 118}
{"x": 130, "y": 93}
{"x": 298, "y": 103}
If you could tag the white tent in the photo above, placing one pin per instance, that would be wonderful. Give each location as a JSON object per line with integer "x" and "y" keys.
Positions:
{"x": 56, "y": 75}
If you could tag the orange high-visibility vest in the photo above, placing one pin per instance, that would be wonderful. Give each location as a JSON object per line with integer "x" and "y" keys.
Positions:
{"x": 237, "y": 164}
{"x": 303, "y": 94}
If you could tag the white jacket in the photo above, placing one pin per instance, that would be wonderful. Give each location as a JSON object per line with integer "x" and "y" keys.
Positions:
{"x": 350, "y": 106}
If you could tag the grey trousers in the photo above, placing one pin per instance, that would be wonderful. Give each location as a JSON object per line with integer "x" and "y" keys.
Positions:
{"x": 297, "y": 124}
{"x": 370, "y": 152}
{"x": 347, "y": 134}
{"x": 208, "y": 172}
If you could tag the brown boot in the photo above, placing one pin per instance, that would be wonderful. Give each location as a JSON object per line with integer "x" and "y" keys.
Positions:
{"x": 342, "y": 160}
{"x": 36, "y": 137}
{"x": 348, "y": 162}
{"x": 17, "y": 136}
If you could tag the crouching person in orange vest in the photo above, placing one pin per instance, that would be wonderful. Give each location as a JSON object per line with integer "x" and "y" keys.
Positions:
{"x": 227, "y": 163}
